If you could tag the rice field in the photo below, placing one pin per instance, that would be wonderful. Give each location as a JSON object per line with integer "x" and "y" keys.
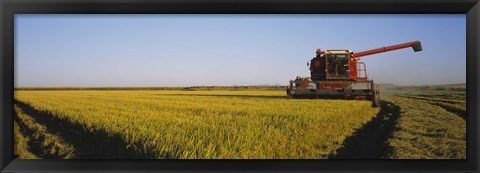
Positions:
{"x": 191, "y": 124}
{"x": 237, "y": 124}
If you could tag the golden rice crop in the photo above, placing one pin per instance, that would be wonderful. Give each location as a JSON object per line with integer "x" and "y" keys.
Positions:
{"x": 205, "y": 124}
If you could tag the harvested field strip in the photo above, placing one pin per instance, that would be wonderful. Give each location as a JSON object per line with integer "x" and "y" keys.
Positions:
{"x": 41, "y": 143}
{"x": 459, "y": 95}
{"x": 455, "y": 106}
{"x": 426, "y": 131}
{"x": 21, "y": 148}
{"x": 437, "y": 99}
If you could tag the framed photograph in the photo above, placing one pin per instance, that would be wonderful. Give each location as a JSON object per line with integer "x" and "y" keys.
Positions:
{"x": 239, "y": 86}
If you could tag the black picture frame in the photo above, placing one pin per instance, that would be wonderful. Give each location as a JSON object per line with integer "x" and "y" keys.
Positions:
{"x": 8, "y": 8}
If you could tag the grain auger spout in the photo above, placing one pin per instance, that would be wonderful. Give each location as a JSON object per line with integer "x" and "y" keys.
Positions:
{"x": 339, "y": 74}
{"x": 416, "y": 45}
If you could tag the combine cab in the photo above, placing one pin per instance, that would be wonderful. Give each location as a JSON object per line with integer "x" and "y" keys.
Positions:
{"x": 339, "y": 74}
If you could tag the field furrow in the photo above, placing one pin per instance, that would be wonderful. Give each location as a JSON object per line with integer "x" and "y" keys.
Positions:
{"x": 371, "y": 141}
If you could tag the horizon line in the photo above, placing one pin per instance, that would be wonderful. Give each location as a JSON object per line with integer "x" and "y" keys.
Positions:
{"x": 27, "y": 87}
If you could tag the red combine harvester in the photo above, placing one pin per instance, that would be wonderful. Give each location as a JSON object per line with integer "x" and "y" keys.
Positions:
{"x": 339, "y": 74}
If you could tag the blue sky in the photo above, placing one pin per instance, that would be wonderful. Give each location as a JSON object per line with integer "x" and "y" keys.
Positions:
{"x": 187, "y": 50}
